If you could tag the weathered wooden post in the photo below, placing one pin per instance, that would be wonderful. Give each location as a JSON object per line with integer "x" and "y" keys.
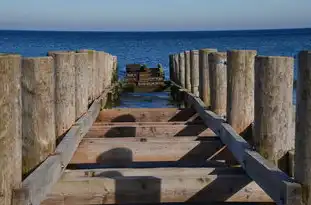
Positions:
{"x": 303, "y": 125}
{"x": 194, "y": 67}
{"x": 187, "y": 71}
{"x": 273, "y": 107}
{"x": 218, "y": 82}
{"x": 240, "y": 88}
{"x": 171, "y": 66}
{"x": 176, "y": 66}
{"x": 38, "y": 113}
{"x": 65, "y": 75}
{"x": 92, "y": 73}
{"x": 102, "y": 75}
{"x": 82, "y": 83}
{"x": 10, "y": 126}
{"x": 109, "y": 70}
{"x": 204, "y": 79}
{"x": 181, "y": 58}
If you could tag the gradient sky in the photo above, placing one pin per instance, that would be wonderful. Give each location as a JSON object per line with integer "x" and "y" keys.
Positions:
{"x": 153, "y": 15}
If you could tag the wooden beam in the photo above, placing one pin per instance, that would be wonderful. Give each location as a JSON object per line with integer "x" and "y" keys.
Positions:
{"x": 35, "y": 187}
{"x": 145, "y": 115}
{"x": 114, "y": 188}
{"x": 115, "y": 131}
{"x": 282, "y": 188}
{"x": 123, "y": 152}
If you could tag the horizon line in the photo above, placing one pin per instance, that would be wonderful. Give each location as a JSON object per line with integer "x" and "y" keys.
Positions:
{"x": 154, "y": 31}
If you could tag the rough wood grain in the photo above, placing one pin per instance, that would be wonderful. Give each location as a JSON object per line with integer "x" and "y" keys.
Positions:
{"x": 187, "y": 71}
{"x": 10, "y": 126}
{"x": 65, "y": 111}
{"x": 273, "y": 134}
{"x": 92, "y": 73}
{"x": 102, "y": 74}
{"x": 240, "y": 88}
{"x": 117, "y": 189}
{"x": 82, "y": 83}
{"x": 145, "y": 115}
{"x": 204, "y": 78}
{"x": 39, "y": 183}
{"x": 117, "y": 152}
{"x": 38, "y": 113}
{"x": 303, "y": 127}
{"x": 171, "y": 66}
{"x": 194, "y": 74}
{"x": 218, "y": 82}
{"x": 181, "y": 64}
{"x": 115, "y": 131}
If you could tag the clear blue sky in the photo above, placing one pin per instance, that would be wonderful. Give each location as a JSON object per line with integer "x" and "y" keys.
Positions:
{"x": 133, "y": 15}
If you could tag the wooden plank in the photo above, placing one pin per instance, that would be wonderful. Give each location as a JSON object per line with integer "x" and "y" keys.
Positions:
{"x": 75, "y": 175}
{"x": 117, "y": 189}
{"x": 120, "y": 152}
{"x": 145, "y": 115}
{"x": 116, "y": 131}
{"x": 158, "y": 139}
{"x": 275, "y": 182}
{"x": 35, "y": 187}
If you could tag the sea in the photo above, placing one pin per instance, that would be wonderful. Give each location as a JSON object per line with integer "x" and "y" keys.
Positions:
{"x": 152, "y": 48}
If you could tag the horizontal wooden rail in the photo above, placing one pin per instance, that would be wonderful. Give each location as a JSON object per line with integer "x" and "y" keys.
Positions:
{"x": 280, "y": 187}
{"x": 40, "y": 182}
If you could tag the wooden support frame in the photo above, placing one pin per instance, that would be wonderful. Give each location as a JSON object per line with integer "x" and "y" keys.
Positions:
{"x": 40, "y": 182}
{"x": 279, "y": 186}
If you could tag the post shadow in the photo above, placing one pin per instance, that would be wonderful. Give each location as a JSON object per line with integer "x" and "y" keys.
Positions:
{"x": 126, "y": 131}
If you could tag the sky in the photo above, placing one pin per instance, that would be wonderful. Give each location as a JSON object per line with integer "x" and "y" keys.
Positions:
{"x": 153, "y": 15}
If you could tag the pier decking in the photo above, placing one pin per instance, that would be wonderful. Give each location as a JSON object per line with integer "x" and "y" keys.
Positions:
{"x": 205, "y": 151}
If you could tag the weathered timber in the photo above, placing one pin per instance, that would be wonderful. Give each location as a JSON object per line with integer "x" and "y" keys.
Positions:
{"x": 91, "y": 72}
{"x": 10, "y": 126}
{"x": 65, "y": 112}
{"x": 102, "y": 75}
{"x": 145, "y": 130}
{"x": 145, "y": 115}
{"x": 176, "y": 67}
{"x": 273, "y": 134}
{"x": 194, "y": 72}
{"x": 117, "y": 152}
{"x": 38, "y": 113}
{"x": 82, "y": 83}
{"x": 240, "y": 89}
{"x": 36, "y": 186}
{"x": 218, "y": 82}
{"x": 181, "y": 64}
{"x": 204, "y": 78}
{"x": 171, "y": 66}
{"x": 113, "y": 188}
{"x": 280, "y": 187}
{"x": 303, "y": 128}
{"x": 187, "y": 71}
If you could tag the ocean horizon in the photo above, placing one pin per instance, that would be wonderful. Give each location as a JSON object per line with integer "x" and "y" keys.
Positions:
{"x": 151, "y": 48}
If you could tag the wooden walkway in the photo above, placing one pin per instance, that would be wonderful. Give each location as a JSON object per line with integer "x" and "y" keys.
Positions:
{"x": 155, "y": 156}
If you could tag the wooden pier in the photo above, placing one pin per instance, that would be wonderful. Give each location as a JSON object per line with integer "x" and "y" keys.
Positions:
{"x": 233, "y": 140}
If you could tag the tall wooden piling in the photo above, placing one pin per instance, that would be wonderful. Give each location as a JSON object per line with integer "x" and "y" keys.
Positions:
{"x": 10, "y": 126}
{"x": 102, "y": 75}
{"x": 181, "y": 59}
{"x": 109, "y": 70}
{"x": 65, "y": 111}
{"x": 194, "y": 66}
{"x": 187, "y": 71}
{"x": 218, "y": 82}
{"x": 91, "y": 72}
{"x": 176, "y": 66}
{"x": 204, "y": 79}
{"x": 38, "y": 115}
{"x": 273, "y": 107}
{"x": 240, "y": 88}
{"x": 171, "y": 66}
{"x": 303, "y": 125}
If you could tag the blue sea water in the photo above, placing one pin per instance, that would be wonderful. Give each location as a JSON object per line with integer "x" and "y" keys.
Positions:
{"x": 152, "y": 48}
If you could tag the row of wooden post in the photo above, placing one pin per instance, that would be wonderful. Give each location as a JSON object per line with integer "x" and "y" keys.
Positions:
{"x": 40, "y": 99}
{"x": 256, "y": 92}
